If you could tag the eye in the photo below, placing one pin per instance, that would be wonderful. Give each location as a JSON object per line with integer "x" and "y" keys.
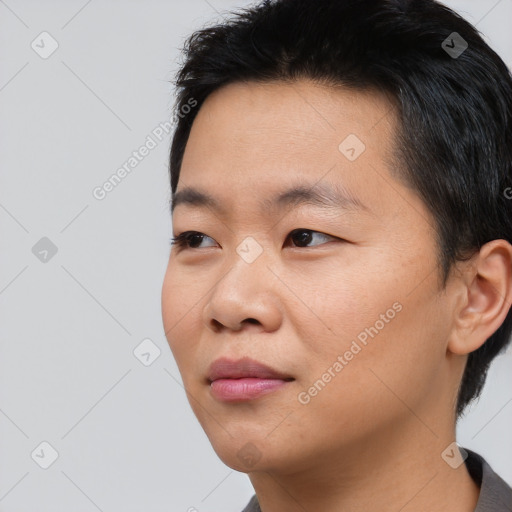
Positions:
{"x": 301, "y": 238}
{"x": 188, "y": 239}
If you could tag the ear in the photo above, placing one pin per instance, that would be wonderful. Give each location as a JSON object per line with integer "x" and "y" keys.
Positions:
{"x": 487, "y": 297}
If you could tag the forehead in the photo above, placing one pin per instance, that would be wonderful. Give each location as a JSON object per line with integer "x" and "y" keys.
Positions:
{"x": 249, "y": 138}
{"x": 242, "y": 114}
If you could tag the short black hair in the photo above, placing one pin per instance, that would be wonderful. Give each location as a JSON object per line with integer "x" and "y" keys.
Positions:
{"x": 454, "y": 140}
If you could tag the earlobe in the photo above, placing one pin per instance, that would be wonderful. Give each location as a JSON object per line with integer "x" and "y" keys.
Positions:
{"x": 488, "y": 287}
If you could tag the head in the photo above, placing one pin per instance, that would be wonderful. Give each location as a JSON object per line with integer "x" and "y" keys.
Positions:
{"x": 405, "y": 274}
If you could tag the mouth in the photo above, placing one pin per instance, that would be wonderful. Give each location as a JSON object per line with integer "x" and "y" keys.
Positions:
{"x": 244, "y": 379}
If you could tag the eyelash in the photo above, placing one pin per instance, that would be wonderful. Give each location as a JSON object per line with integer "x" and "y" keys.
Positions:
{"x": 182, "y": 240}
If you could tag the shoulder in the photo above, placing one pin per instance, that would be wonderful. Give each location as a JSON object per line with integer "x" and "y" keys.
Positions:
{"x": 495, "y": 493}
{"x": 253, "y": 505}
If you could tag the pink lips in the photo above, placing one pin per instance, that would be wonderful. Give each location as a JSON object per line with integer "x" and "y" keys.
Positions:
{"x": 244, "y": 379}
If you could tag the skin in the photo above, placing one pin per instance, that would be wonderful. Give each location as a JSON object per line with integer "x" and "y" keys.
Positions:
{"x": 372, "y": 438}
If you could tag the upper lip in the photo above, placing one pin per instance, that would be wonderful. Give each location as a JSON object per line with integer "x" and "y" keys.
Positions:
{"x": 224, "y": 368}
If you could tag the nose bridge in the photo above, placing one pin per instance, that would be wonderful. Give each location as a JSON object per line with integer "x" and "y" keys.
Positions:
{"x": 250, "y": 250}
{"x": 247, "y": 272}
{"x": 245, "y": 290}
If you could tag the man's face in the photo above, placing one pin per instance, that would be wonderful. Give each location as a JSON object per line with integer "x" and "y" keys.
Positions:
{"x": 344, "y": 299}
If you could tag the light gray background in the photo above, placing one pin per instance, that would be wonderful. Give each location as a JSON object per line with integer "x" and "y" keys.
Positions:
{"x": 124, "y": 432}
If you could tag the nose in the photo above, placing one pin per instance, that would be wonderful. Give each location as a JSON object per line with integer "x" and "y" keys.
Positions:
{"x": 244, "y": 297}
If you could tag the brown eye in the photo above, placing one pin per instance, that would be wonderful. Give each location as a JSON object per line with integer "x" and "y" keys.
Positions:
{"x": 303, "y": 237}
{"x": 189, "y": 239}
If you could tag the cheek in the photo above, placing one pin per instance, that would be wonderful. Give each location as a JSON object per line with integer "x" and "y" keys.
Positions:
{"x": 179, "y": 307}
{"x": 169, "y": 303}
{"x": 391, "y": 339}
{"x": 377, "y": 380}
{"x": 341, "y": 304}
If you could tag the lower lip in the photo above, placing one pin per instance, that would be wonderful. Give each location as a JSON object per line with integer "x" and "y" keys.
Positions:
{"x": 229, "y": 390}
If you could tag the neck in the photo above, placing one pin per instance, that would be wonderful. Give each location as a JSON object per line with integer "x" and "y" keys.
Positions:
{"x": 402, "y": 471}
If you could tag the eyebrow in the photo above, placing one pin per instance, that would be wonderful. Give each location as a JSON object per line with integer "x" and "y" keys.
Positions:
{"x": 322, "y": 195}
